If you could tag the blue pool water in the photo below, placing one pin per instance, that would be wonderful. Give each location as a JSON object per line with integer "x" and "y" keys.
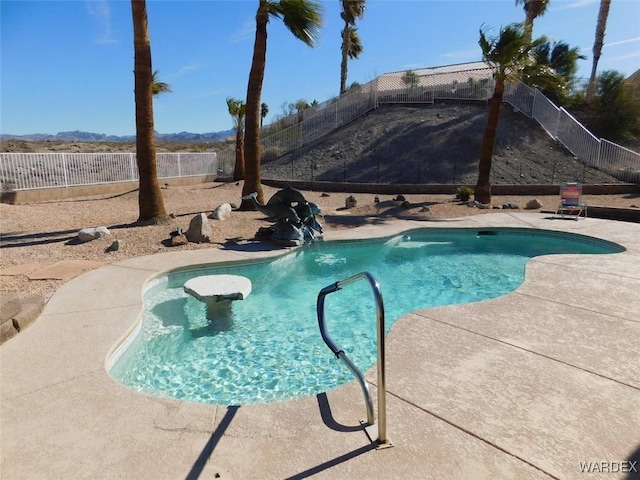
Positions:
{"x": 271, "y": 349}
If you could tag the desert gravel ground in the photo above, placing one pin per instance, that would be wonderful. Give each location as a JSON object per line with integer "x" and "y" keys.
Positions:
{"x": 45, "y": 233}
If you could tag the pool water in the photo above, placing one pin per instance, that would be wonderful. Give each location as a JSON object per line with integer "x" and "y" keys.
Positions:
{"x": 270, "y": 349}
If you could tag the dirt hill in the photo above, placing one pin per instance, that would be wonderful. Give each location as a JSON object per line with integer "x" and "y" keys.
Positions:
{"x": 433, "y": 144}
{"x": 400, "y": 144}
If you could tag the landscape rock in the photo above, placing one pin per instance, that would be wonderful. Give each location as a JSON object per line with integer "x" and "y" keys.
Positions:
{"x": 222, "y": 212}
{"x": 199, "y": 230}
{"x": 350, "y": 202}
{"x": 114, "y": 247}
{"x": 511, "y": 206}
{"x": 177, "y": 240}
{"x": 89, "y": 234}
{"x": 533, "y": 205}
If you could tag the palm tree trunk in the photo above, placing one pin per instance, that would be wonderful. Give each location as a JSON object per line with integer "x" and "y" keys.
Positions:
{"x": 482, "y": 191}
{"x": 530, "y": 16}
{"x": 343, "y": 63}
{"x": 603, "y": 13}
{"x": 252, "y": 182}
{"x": 238, "y": 171}
{"x": 150, "y": 202}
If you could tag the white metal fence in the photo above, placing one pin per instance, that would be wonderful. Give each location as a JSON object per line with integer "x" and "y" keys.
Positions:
{"x": 453, "y": 83}
{"x": 470, "y": 82}
{"x": 611, "y": 158}
{"x": 25, "y": 171}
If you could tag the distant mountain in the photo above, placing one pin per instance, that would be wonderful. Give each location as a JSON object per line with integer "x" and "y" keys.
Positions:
{"x": 78, "y": 136}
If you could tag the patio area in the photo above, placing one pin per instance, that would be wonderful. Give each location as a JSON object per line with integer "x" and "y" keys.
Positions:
{"x": 541, "y": 383}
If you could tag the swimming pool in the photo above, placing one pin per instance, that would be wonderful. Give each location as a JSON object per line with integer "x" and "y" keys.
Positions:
{"x": 270, "y": 348}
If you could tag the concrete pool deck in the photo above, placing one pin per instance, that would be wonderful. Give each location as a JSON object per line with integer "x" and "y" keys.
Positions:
{"x": 541, "y": 383}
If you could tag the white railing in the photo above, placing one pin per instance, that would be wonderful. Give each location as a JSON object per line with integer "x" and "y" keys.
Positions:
{"x": 455, "y": 84}
{"x": 25, "y": 171}
{"x": 611, "y": 158}
{"x": 328, "y": 116}
{"x": 21, "y": 171}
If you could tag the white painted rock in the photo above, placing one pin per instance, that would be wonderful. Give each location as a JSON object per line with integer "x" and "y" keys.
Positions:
{"x": 223, "y": 212}
{"x": 89, "y": 234}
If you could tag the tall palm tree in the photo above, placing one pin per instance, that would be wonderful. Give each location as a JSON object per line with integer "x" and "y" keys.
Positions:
{"x": 563, "y": 59}
{"x": 603, "y": 14}
{"x": 150, "y": 202}
{"x": 237, "y": 110}
{"x": 532, "y": 10}
{"x": 303, "y": 18}
{"x": 158, "y": 87}
{"x": 264, "y": 111}
{"x": 351, "y": 45}
{"x": 510, "y": 57}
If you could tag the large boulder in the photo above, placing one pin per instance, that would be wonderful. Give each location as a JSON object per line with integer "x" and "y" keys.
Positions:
{"x": 199, "y": 230}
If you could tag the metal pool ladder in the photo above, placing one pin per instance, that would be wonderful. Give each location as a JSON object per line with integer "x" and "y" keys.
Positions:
{"x": 382, "y": 439}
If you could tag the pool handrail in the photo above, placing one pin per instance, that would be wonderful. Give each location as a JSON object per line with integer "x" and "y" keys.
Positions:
{"x": 339, "y": 352}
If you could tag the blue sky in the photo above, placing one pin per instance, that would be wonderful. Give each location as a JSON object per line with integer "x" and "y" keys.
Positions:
{"x": 68, "y": 65}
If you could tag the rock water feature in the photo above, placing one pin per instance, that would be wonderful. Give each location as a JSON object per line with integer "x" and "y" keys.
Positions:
{"x": 294, "y": 217}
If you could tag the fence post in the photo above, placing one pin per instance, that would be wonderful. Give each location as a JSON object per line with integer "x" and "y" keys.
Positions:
{"x": 179, "y": 168}
{"x": 533, "y": 104}
{"x": 558, "y": 122}
{"x": 375, "y": 93}
{"x": 131, "y": 163}
{"x": 64, "y": 169}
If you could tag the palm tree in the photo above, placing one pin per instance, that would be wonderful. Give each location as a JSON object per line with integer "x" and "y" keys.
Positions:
{"x": 303, "y": 19}
{"x": 150, "y": 202}
{"x": 564, "y": 61}
{"x": 237, "y": 111}
{"x": 264, "y": 111}
{"x": 410, "y": 78}
{"x": 532, "y": 10}
{"x": 603, "y": 13}
{"x": 355, "y": 47}
{"x": 351, "y": 45}
{"x": 510, "y": 57}
{"x": 158, "y": 87}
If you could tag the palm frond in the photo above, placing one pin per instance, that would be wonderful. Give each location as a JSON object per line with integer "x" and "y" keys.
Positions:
{"x": 355, "y": 45}
{"x": 303, "y": 18}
